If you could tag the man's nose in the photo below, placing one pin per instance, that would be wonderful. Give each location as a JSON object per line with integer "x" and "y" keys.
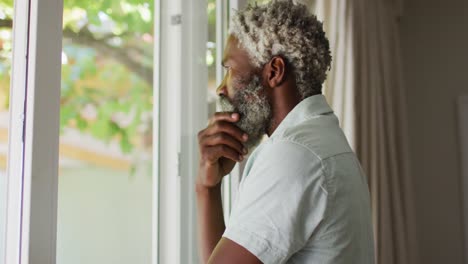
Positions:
{"x": 222, "y": 89}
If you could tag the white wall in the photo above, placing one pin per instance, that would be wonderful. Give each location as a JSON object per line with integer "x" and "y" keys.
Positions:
{"x": 434, "y": 37}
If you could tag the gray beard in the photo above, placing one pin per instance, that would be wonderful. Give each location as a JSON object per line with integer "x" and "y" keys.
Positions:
{"x": 253, "y": 107}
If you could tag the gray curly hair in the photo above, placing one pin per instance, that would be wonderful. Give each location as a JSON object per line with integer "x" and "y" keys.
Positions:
{"x": 286, "y": 29}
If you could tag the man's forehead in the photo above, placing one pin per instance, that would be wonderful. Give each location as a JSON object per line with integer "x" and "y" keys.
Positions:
{"x": 233, "y": 50}
{"x": 230, "y": 49}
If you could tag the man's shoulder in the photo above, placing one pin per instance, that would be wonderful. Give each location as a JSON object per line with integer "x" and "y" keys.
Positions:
{"x": 285, "y": 149}
{"x": 322, "y": 136}
{"x": 282, "y": 161}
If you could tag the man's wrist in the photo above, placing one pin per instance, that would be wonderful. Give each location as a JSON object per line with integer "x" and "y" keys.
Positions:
{"x": 200, "y": 188}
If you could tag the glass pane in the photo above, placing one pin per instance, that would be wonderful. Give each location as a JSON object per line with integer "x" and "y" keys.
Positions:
{"x": 211, "y": 56}
{"x": 105, "y": 175}
{"x": 6, "y": 18}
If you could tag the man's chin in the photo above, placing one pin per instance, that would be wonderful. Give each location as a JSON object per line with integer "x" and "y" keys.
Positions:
{"x": 226, "y": 105}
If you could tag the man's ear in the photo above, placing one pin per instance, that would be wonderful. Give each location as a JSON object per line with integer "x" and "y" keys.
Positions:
{"x": 275, "y": 71}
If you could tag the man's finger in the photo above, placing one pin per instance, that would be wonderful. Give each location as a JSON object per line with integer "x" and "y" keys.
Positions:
{"x": 224, "y": 139}
{"x": 225, "y": 116}
{"x": 226, "y": 127}
{"x": 218, "y": 151}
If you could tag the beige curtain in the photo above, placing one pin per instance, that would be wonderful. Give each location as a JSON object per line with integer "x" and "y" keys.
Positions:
{"x": 365, "y": 89}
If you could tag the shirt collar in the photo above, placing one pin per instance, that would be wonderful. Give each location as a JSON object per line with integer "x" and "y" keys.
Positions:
{"x": 310, "y": 107}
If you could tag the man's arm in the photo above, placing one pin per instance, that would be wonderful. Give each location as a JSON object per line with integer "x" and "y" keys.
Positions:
{"x": 229, "y": 252}
{"x": 213, "y": 248}
{"x": 221, "y": 146}
{"x": 210, "y": 219}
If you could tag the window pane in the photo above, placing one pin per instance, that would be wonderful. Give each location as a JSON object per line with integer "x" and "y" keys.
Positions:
{"x": 211, "y": 56}
{"x": 105, "y": 174}
{"x": 6, "y": 18}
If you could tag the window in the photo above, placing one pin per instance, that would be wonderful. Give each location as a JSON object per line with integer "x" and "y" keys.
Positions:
{"x": 105, "y": 118}
{"x": 106, "y": 133}
{"x": 104, "y": 113}
{"x": 6, "y": 22}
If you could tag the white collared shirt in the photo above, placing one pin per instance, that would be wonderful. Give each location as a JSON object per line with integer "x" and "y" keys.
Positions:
{"x": 303, "y": 197}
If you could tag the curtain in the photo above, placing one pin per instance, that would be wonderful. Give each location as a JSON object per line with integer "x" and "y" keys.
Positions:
{"x": 365, "y": 89}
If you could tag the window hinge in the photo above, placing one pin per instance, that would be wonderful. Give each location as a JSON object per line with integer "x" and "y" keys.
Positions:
{"x": 176, "y": 19}
{"x": 178, "y": 165}
{"x": 23, "y": 126}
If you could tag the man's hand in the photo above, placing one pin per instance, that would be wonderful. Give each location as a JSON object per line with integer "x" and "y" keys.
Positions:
{"x": 221, "y": 146}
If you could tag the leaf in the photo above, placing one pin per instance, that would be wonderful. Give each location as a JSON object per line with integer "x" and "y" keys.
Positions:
{"x": 81, "y": 123}
{"x": 100, "y": 129}
{"x": 125, "y": 144}
{"x": 66, "y": 113}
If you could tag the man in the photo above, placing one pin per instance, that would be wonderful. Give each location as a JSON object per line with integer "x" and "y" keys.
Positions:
{"x": 303, "y": 197}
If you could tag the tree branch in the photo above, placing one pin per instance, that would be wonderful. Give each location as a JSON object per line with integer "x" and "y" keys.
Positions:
{"x": 6, "y": 23}
{"x": 85, "y": 38}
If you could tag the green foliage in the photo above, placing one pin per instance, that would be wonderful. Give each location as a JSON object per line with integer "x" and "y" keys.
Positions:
{"x": 111, "y": 106}
{"x": 6, "y": 8}
{"x": 101, "y": 94}
{"x": 133, "y": 16}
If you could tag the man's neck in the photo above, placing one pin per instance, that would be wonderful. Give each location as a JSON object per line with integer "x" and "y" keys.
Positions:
{"x": 284, "y": 99}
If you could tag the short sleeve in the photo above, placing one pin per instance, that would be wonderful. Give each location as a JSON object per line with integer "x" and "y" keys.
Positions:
{"x": 280, "y": 203}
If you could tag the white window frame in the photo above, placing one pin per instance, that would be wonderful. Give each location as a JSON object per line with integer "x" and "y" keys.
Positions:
{"x": 193, "y": 117}
{"x": 169, "y": 137}
{"x": 156, "y": 133}
{"x": 12, "y": 238}
{"x": 33, "y": 157}
{"x": 194, "y": 109}
{"x": 188, "y": 115}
